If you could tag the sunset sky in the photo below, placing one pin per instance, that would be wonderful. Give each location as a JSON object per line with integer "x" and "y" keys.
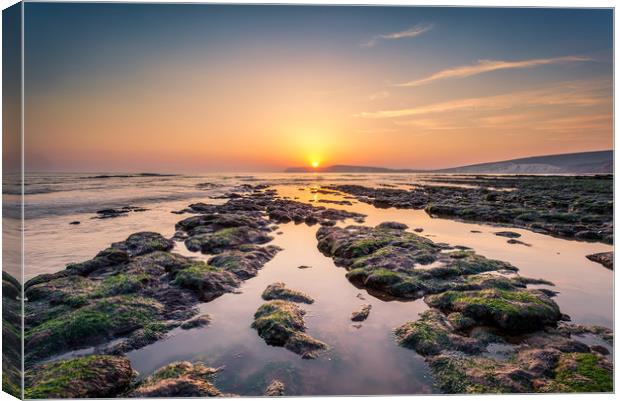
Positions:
{"x": 200, "y": 88}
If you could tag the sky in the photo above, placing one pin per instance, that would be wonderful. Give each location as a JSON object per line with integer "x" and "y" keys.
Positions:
{"x": 204, "y": 88}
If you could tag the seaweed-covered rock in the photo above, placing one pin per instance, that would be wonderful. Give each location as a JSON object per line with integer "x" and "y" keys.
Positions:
{"x": 206, "y": 281}
{"x": 226, "y": 238}
{"x": 281, "y": 323}
{"x": 95, "y": 323}
{"x": 579, "y": 207}
{"x": 582, "y": 373}
{"x": 246, "y": 261}
{"x": 432, "y": 334}
{"x": 515, "y": 311}
{"x": 178, "y": 379}
{"x": 11, "y": 335}
{"x": 144, "y": 242}
{"x": 395, "y": 263}
{"x": 279, "y": 291}
{"x": 362, "y": 314}
{"x": 604, "y": 258}
{"x": 94, "y": 376}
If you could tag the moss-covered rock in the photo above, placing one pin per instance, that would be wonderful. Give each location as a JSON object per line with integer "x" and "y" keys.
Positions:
{"x": 515, "y": 311}
{"x": 246, "y": 261}
{"x": 178, "y": 379}
{"x": 281, "y": 323}
{"x": 226, "y": 239}
{"x": 102, "y": 320}
{"x": 94, "y": 376}
{"x": 207, "y": 282}
{"x": 144, "y": 242}
{"x": 391, "y": 262}
{"x": 582, "y": 373}
{"x": 279, "y": 291}
{"x": 432, "y": 334}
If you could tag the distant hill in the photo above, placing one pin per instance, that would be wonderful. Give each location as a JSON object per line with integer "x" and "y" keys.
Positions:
{"x": 568, "y": 163}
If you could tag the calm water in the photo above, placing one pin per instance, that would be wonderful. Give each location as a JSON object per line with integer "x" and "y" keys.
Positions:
{"x": 363, "y": 360}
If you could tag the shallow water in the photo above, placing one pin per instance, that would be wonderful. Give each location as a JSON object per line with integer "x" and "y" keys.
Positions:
{"x": 364, "y": 360}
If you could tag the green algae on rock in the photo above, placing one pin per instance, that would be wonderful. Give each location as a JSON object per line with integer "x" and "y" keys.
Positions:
{"x": 279, "y": 291}
{"x": 281, "y": 323}
{"x": 178, "y": 379}
{"x": 514, "y": 311}
{"x": 11, "y": 335}
{"x": 206, "y": 282}
{"x": 395, "y": 263}
{"x": 93, "y": 376}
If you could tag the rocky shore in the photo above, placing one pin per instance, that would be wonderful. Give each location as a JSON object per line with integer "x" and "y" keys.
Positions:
{"x": 136, "y": 291}
{"x": 476, "y": 305}
{"x": 576, "y": 207}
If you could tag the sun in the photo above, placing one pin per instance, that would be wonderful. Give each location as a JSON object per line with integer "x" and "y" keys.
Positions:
{"x": 315, "y": 164}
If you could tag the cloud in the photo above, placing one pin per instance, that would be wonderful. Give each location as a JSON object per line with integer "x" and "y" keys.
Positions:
{"x": 484, "y": 66}
{"x": 576, "y": 93}
{"x": 379, "y": 95}
{"x": 408, "y": 33}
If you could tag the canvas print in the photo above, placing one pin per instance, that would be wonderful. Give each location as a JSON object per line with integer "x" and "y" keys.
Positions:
{"x": 296, "y": 200}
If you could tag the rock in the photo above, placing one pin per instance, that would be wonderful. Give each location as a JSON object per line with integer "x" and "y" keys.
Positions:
{"x": 226, "y": 239}
{"x": 74, "y": 223}
{"x": 281, "y": 323}
{"x": 246, "y": 261}
{"x": 600, "y": 349}
{"x": 582, "y": 373}
{"x": 604, "y": 258}
{"x": 304, "y": 267}
{"x": 432, "y": 334}
{"x": 179, "y": 379}
{"x": 515, "y": 311}
{"x": 130, "y": 294}
{"x": 92, "y": 324}
{"x": 390, "y": 262}
{"x": 362, "y": 314}
{"x": 279, "y": 291}
{"x": 144, "y": 242}
{"x": 94, "y": 376}
{"x": 579, "y": 207}
{"x": 393, "y": 225}
{"x": 123, "y": 211}
{"x": 418, "y": 230}
{"x": 275, "y": 389}
{"x": 507, "y": 234}
{"x": 206, "y": 281}
{"x": 198, "y": 321}
{"x": 516, "y": 241}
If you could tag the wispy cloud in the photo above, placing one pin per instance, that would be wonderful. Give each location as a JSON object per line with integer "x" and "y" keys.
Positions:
{"x": 379, "y": 95}
{"x": 580, "y": 94}
{"x": 484, "y": 66}
{"x": 408, "y": 33}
